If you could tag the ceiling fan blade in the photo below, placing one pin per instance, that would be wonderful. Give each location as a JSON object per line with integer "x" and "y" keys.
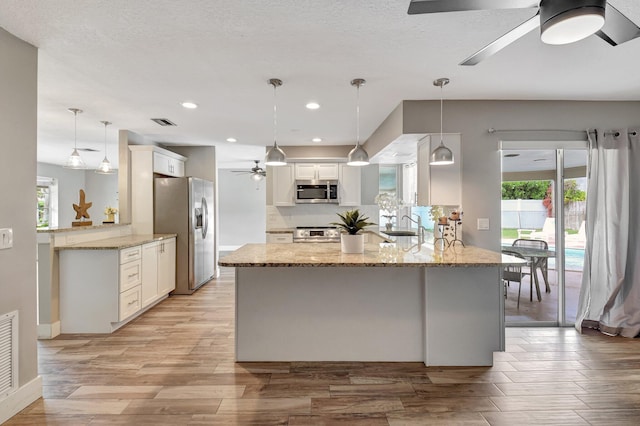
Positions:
{"x": 617, "y": 28}
{"x": 503, "y": 41}
{"x": 436, "y": 6}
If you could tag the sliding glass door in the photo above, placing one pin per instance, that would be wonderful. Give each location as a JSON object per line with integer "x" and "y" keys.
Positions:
{"x": 543, "y": 213}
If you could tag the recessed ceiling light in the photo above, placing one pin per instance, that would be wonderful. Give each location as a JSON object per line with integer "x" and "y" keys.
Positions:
{"x": 313, "y": 105}
{"x": 316, "y": 140}
{"x": 189, "y": 105}
{"x": 232, "y": 140}
{"x": 511, "y": 155}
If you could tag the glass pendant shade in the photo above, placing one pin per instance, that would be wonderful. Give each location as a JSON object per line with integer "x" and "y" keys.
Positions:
{"x": 105, "y": 167}
{"x": 570, "y": 21}
{"x": 358, "y": 156}
{"x": 275, "y": 156}
{"x": 256, "y": 177}
{"x": 75, "y": 161}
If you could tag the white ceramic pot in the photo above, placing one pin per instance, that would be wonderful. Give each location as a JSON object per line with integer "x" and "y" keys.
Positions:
{"x": 352, "y": 243}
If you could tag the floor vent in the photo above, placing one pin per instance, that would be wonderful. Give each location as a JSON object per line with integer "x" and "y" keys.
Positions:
{"x": 8, "y": 353}
{"x": 164, "y": 121}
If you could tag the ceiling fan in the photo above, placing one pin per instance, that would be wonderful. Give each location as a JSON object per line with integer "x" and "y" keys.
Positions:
{"x": 560, "y": 21}
{"x": 256, "y": 173}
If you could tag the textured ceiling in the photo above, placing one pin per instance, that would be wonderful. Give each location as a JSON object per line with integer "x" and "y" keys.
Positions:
{"x": 128, "y": 61}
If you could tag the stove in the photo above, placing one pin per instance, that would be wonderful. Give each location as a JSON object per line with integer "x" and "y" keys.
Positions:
{"x": 316, "y": 234}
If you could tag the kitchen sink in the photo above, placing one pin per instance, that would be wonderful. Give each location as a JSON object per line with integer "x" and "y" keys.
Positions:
{"x": 400, "y": 233}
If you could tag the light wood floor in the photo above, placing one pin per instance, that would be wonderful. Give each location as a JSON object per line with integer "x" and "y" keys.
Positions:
{"x": 174, "y": 366}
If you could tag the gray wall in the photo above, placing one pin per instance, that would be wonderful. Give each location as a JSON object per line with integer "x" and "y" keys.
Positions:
{"x": 18, "y": 121}
{"x": 481, "y": 161}
{"x": 101, "y": 190}
{"x": 241, "y": 208}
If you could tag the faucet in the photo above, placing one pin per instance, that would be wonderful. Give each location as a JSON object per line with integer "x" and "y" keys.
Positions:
{"x": 421, "y": 229}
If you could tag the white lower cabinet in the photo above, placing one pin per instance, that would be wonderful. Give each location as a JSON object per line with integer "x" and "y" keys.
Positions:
{"x": 103, "y": 289}
{"x": 158, "y": 270}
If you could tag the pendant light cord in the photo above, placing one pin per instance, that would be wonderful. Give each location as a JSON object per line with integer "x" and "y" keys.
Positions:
{"x": 106, "y": 123}
{"x": 275, "y": 117}
{"x": 358, "y": 115}
{"x": 75, "y": 130}
{"x": 441, "y": 102}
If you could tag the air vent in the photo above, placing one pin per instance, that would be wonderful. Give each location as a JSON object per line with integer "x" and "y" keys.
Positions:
{"x": 164, "y": 121}
{"x": 8, "y": 353}
{"x": 87, "y": 150}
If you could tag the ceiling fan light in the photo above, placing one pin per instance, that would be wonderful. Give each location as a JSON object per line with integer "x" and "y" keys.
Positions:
{"x": 568, "y": 22}
{"x": 275, "y": 157}
{"x": 358, "y": 156}
{"x": 441, "y": 156}
{"x": 257, "y": 177}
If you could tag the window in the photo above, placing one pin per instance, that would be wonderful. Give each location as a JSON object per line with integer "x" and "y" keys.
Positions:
{"x": 44, "y": 209}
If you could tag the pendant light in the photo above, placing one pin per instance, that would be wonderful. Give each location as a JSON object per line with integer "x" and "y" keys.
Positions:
{"x": 441, "y": 155}
{"x": 275, "y": 156}
{"x": 105, "y": 167}
{"x": 358, "y": 156}
{"x": 74, "y": 161}
{"x": 563, "y": 22}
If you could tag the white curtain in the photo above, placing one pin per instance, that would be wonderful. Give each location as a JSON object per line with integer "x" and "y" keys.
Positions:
{"x": 610, "y": 293}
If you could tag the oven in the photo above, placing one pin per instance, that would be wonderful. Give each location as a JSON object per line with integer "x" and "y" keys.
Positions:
{"x": 317, "y": 192}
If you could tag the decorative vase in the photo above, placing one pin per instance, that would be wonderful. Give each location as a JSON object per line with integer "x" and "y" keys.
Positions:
{"x": 352, "y": 243}
{"x": 111, "y": 217}
{"x": 388, "y": 226}
{"x": 455, "y": 215}
{"x": 442, "y": 220}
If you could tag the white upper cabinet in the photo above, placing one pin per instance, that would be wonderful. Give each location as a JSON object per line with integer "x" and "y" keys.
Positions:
{"x": 439, "y": 185}
{"x": 283, "y": 185}
{"x": 320, "y": 171}
{"x": 166, "y": 165}
{"x": 349, "y": 185}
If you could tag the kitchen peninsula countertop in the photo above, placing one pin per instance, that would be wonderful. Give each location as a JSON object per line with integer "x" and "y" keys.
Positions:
{"x": 375, "y": 255}
{"x": 117, "y": 243}
{"x": 79, "y": 228}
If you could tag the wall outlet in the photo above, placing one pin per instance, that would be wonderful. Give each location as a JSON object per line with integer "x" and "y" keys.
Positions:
{"x": 483, "y": 224}
{"x": 6, "y": 238}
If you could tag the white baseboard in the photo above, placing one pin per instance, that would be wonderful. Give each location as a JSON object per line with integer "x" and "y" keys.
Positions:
{"x": 48, "y": 331}
{"x": 20, "y": 399}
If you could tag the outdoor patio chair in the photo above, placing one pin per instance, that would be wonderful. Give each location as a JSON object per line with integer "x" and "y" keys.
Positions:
{"x": 514, "y": 273}
{"x": 543, "y": 264}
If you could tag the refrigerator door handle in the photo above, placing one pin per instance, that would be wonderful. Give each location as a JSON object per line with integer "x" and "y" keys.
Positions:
{"x": 197, "y": 213}
{"x": 205, "y": 228}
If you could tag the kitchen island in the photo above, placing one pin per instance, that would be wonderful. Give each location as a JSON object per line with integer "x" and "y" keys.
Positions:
{"x": 310, "y": 302}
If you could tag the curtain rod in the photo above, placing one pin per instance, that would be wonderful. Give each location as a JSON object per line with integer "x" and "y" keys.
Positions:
{"x": 608, "y": 132}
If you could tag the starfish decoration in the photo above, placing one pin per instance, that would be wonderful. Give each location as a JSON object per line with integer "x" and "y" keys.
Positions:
{"x": 81, "y": 209}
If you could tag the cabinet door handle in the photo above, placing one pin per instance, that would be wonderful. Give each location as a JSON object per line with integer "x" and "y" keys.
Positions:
{"x": 132, "y": 302}
{"x": 133, "y": 275}
{"x": 132, "y": 254}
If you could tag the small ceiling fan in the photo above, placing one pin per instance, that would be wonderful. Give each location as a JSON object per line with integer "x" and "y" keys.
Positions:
{"x": 560, "y": 21}
{"x": 256, "y": 173}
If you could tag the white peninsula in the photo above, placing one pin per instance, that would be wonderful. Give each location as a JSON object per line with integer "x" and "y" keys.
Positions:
{"x": 310, "y": 302}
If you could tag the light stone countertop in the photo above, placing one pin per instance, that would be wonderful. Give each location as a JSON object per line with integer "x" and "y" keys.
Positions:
{"x": 375, "y": 255}
{"x": 117, "y": 243}
{"x": 80, "y": 228}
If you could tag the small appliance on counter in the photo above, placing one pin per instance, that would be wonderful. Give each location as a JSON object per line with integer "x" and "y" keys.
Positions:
{"x": 316, "y": 234}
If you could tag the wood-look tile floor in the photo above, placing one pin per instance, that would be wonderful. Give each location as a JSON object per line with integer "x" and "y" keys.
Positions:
{"x": 174, "y": 366}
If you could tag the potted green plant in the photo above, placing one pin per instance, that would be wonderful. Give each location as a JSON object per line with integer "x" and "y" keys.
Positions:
{"x": 352, "y": 222}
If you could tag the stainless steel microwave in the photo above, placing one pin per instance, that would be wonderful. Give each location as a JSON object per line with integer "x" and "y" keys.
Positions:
{"x": 316, "y": 191}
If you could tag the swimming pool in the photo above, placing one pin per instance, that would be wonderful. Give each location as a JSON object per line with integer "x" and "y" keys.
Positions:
{"x": 573, "y": 259}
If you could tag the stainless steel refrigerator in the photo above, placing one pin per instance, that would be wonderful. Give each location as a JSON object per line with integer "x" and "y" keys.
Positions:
{"x": 184, "y": 206}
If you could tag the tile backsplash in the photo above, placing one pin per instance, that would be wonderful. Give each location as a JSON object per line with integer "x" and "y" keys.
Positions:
{"x": 312, "y": 215}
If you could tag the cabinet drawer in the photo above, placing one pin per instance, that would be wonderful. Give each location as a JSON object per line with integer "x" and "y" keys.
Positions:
{"x": 130, "y": 302}
{"x": 279, "y": 238}
{"x": 130, "y": 254}
{"x": 130, "y": 275}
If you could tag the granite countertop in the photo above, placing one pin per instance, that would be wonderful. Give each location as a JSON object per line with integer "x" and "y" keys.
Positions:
{"x": 79, "y": 228}
{"x": 375, "y": 255}
{"x": 117, "y": 243}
